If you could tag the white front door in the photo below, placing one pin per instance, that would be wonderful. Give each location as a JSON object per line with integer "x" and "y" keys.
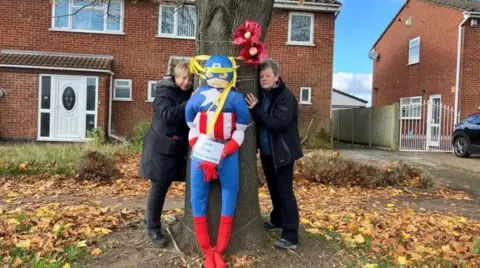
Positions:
{"x": 69, "y": 109}
{"x": 433, "y": 123}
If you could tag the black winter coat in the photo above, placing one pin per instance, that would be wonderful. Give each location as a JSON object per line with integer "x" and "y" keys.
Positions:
{"x": 166, "y": 142}
{"x": 281, "y": 122}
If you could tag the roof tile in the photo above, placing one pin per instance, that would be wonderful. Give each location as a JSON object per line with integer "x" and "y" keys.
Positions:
{"x": 84, "y": 62}
{"x": 469, "y": 5}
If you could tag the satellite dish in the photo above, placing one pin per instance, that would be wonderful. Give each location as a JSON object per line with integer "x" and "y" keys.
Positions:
{"x": 373, "y": 55}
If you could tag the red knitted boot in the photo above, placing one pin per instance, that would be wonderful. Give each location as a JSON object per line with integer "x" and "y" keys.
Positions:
{"x": 203, "y": 238}
{"x": 222, "y": 241}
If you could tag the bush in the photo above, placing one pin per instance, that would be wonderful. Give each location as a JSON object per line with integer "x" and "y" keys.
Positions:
{"x": 97, "y": 135}
{"x": 320, "y": 139}
{"x": 139, "y": 133}
{"x": 96, "y": 166}
{"x": 340, "y": 171}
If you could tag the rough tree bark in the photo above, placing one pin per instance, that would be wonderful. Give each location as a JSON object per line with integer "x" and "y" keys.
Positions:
{"x": 217, "y": 21}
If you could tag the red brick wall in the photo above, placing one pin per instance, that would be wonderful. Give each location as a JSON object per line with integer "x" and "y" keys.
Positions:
{"x": 306, "y": 66}
{"x": 103, "y": 85}
{"x": 19, "y": 110}
{"x": 437, "y": 27}
{"x": 470, "y": 74}
{"x": 141, "y": 56}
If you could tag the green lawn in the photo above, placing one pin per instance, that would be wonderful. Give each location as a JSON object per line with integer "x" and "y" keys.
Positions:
{"x": 34, "y": 158}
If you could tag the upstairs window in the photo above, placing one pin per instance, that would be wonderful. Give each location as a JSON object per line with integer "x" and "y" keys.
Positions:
{"x": 88, "y": 16}
{"x": 300, "y": 28}
{"x": 414, "y": 51}
{"x": 177, "y": 22}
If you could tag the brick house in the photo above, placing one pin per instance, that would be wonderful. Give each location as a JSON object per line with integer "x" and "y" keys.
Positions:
{"x": 64, "y": 75}
{"x": 429, "y": 48}
{"x": 428, "y": 57}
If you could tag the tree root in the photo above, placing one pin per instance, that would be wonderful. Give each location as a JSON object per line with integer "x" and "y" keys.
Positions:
{"x": 182, "y": 255}
{"x": 303, "y": 258}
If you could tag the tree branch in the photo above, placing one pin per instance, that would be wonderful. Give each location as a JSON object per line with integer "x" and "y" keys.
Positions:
{"x": 178, "y": 3}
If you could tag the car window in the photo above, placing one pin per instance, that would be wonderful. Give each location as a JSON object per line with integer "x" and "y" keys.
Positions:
{"x": 476, "y": 120}
{"x": 469, "y": 119}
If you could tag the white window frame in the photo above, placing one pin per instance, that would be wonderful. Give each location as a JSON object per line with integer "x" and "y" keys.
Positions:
{"x": 312, "y": 20}
{"x": 410, "y": 49}
{"x": 411, "y": 107}
{"x": 309, "y": 101}
{"x": 149, "y": 91}
{"x": 95, "y": 112}
{"x": 105, "y": 31}
{"x": 175, "y": 24}
{"x": 130, "y": 86}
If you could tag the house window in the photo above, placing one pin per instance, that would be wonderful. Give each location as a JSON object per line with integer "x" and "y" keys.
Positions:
{"x": 122, "y": 90}
{"x": 305, "y": 95}
{"x": 411, "y": 107}
{"x": 88, "y": 16}
{"x": 177, "y": 22}
{"x": 300, "y": 28}
{"x": 414, "y": 51}
{"x": 151, "y": 90}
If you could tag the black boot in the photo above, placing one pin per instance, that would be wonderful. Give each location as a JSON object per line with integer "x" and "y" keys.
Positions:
{"x": 157, "y": 237}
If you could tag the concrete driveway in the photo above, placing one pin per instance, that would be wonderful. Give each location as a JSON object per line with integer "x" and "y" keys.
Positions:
{"x": 447, "y": 169}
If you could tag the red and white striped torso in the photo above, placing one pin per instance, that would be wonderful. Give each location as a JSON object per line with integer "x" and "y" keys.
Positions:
{"x": 223, "y": 128}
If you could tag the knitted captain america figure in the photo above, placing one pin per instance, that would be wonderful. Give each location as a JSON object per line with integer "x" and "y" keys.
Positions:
{"x": 217, "y": 114}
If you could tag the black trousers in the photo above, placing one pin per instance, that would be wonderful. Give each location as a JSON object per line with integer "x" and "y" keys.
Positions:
{"x": 155, "y": 201}
{"x": 285, "y": 208}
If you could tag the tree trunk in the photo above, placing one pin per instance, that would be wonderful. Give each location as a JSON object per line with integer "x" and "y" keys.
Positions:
{"x": 217, "y": 22}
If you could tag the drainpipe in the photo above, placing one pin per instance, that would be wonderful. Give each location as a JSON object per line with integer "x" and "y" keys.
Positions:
{"x": 466, "y": 16}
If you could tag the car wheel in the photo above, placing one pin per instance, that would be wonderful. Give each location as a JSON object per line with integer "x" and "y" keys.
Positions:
{"x": 460, "y": 147}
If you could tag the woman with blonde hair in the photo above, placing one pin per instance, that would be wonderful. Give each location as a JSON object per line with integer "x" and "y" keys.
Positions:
{"x": 165, "y": 145}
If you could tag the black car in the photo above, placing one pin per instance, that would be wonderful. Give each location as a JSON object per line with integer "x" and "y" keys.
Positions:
{"x": 466, "y": 136}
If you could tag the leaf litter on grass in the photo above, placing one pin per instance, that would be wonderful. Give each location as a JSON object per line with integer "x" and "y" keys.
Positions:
{"x": 45, "y": 229}
{"x": 390, "y": 233}
{"x": 393, "y": 234}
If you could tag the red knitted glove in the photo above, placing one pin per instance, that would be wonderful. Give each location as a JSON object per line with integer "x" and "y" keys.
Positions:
{"x": 209, "y": 171}
{"x": 231, "y": 147}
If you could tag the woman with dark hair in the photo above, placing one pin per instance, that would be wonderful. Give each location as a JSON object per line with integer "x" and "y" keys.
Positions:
{"x": 164, "y": 155}
{"x": 276, "y": 115}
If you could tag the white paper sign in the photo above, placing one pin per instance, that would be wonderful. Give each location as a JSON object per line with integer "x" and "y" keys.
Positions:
{"x": 208, "y": 150}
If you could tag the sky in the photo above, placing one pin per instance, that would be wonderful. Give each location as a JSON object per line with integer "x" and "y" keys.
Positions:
{"x": 358, "y": 26}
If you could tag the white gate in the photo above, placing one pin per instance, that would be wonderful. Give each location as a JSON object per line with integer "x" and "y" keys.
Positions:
{"x": 426, "y": 126}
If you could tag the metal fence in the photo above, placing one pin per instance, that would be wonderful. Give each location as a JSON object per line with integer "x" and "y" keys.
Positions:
{"x": 426, "y": 126}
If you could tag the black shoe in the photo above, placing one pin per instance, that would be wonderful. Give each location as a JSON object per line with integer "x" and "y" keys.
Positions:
{"x": 157, "y": 237}
{"x": 269, "y": 226}
{"x": 282, "y": 243}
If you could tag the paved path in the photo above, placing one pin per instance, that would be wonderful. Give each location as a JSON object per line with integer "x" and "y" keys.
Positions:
{"x": 447, "y": 169}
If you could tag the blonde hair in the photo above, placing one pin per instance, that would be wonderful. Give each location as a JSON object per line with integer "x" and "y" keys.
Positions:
{"x": 181, "y": 68}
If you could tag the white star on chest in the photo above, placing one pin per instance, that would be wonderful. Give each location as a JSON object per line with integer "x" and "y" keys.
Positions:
{"x": 210, "y": 96}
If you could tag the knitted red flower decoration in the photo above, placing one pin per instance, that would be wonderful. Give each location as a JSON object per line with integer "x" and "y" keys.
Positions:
{"x": 254, "y": 53}
{"x": 248, "y": 32}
